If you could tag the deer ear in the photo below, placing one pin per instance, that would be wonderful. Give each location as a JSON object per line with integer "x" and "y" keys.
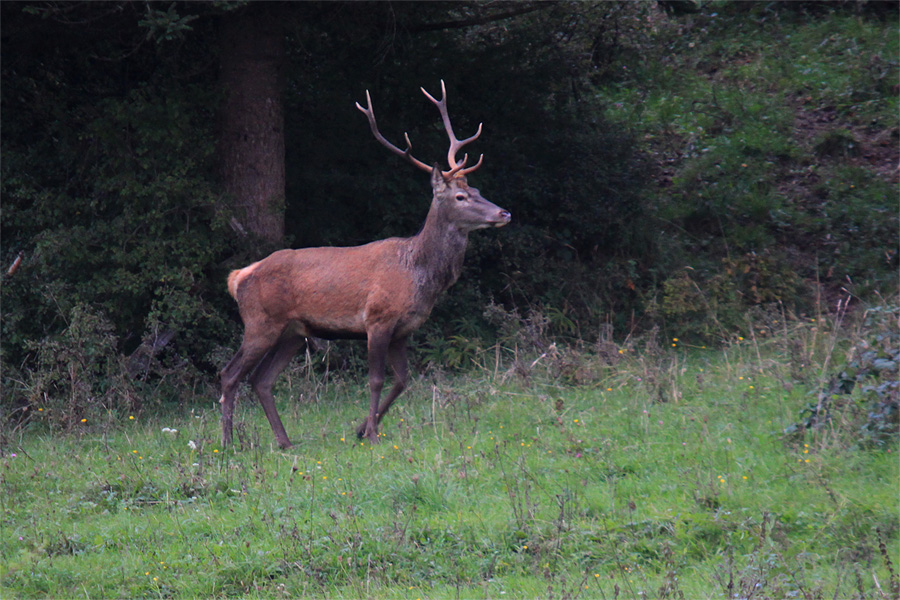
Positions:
{"x": 438, "y": 183}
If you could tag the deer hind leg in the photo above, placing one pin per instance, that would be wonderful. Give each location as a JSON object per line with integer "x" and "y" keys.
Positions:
{"x": 265, "y": 375}
{"x": 257, "y": 342}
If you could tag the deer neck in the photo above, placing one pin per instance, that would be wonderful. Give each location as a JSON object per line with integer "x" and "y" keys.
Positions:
{"x": 437, "y": 253}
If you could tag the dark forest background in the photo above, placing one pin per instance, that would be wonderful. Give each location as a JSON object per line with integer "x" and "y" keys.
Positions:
{"x": 665, "y": 165}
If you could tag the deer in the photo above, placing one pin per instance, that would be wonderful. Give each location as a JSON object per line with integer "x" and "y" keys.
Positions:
{"x": 380, "y": 292}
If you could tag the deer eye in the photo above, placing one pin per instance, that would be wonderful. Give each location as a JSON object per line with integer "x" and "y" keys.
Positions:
{"x": 460, "y": 197}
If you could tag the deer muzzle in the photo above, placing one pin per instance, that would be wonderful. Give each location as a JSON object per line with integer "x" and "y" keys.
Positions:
{"x": 503, "y": 218}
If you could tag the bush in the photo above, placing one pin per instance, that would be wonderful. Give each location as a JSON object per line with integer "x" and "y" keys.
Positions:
{"x": 861, "y": 401}
{"x": 713, "y": 305}
{"x": 114, "y": 212}
{"x": 78, "y": 379}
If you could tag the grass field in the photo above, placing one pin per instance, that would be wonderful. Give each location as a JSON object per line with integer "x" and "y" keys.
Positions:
{"x": 664, "y": 473}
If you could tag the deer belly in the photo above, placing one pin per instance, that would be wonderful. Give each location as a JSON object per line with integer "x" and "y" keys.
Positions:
{"x": 337, "y": 329}
{"x": 331, "y": 328}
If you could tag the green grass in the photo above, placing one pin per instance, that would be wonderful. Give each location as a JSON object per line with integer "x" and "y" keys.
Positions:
{"x": 665, "y": 473}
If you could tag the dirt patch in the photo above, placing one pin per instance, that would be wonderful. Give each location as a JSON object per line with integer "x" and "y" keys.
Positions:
{"x": 874, "y": 148}
{"x": 831, "y": 138}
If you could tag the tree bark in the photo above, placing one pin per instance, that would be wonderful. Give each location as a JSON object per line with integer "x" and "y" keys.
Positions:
{"x": 251, "y": 141}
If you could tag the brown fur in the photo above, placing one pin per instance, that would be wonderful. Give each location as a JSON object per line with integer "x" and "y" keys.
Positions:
{"x": 381, "y": 292}
{"x": 235, "y": 278}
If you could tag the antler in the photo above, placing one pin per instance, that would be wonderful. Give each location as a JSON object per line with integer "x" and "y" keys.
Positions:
{"x": 455, "y": 144}
{"x": 457, "y": 169}
{"x": 370, "y": 114}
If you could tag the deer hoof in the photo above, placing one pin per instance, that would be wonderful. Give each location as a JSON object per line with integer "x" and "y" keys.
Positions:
{"x": 369, "y": 433}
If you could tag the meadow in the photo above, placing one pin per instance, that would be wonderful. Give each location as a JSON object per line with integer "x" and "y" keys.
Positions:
{"x": 652, "y": 468}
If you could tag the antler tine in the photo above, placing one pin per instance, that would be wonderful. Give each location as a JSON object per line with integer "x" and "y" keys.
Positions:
{"x": 370, "y": 115}
{"x": 455, "y": 144}
{"x": 470, "y": 169}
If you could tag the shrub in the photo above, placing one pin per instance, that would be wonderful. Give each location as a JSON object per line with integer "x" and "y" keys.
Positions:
{"x": 713, "y": 304}
{"x": 862, "y": 399}
{"x": 79, "y": 378}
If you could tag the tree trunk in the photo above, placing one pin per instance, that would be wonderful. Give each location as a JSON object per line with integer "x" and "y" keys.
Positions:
{"x": 251, "y": 142}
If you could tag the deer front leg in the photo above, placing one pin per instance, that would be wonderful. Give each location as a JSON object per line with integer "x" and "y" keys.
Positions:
{"x": 397, "y": 359}
{"x": 378, "y": 349}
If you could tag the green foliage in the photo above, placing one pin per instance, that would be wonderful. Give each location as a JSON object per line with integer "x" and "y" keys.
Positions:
{"x": 109, "y": 197}
{"x": 165, "y": 25}
{"x": 861, "y": 403}
{"x": 711, "y": 306}
{"x": 767, "y": 125}
{"x": 858, "y": 227}
{"x": 848, "y": 62}
{"x": 839, "y": 143}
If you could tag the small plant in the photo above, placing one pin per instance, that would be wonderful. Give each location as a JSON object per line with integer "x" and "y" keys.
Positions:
{"x": 836, "y": 143}
{"x": 80, "y": 377}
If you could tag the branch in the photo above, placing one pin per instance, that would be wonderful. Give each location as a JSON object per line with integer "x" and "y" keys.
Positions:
{"x": 481, "y": 20}
{"x": 15, "y": 266}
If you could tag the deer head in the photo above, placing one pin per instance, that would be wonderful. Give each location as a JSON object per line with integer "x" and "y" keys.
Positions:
{"x": 454, "y": 199}
{"x": 463, "y": 205}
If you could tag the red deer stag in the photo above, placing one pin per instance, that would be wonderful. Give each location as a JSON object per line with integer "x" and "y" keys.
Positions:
{"x": 381, "y": 292}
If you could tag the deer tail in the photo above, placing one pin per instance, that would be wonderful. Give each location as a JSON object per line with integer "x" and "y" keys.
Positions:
{"x": 234, "y": 278}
